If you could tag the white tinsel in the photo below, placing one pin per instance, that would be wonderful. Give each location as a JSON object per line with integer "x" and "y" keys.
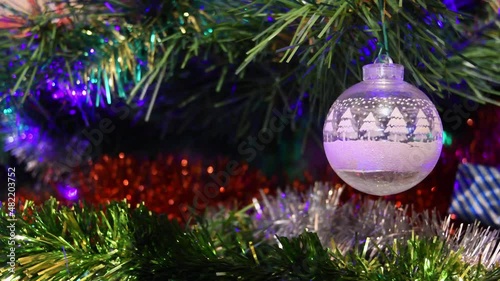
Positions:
{"x": 353, "y": 223}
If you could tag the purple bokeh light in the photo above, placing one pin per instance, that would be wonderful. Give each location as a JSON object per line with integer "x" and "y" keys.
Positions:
{"x": 68, "y": 192}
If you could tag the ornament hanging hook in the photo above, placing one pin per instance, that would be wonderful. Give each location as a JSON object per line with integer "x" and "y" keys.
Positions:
{"x": 383, "y": 57}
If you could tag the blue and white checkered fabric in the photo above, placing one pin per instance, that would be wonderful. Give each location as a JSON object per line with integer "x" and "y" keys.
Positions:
{"x": 477, "y": 194}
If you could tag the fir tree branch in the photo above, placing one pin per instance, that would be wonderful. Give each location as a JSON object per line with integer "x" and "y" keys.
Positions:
{"x": 327, "y": 33}
{"x": 116, "y": 242}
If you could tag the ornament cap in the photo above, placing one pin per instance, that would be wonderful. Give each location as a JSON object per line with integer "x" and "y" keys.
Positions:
{"x": 390, "y": 71}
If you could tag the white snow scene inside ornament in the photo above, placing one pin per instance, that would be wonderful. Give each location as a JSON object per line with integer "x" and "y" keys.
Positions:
{"x": 382, "y": 143}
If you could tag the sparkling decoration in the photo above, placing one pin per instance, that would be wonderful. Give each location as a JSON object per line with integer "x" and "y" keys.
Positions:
{"x": 44, "y": 157}
{"x": 230, "y": 245}
{"x": 367, "y": 223}
{"x": 383, "y": 136}
{"x": 173, "y": 185}
{"x": 91, "y": 77}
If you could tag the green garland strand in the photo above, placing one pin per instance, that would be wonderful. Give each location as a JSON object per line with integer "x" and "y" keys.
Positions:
{"x": 117, "y": 242}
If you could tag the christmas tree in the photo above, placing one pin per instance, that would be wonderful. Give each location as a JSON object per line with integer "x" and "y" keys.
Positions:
{"x": 346, "y": 127}
{"x": 330, "y": 128}
{"x": 435, "y": 128}
{"x": 371, "y": 127}
{"x": 422, "y": 126}
{"x": 396, "y": 126}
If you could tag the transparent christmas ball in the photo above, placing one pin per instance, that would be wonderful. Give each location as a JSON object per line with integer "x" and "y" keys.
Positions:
{"x": 382, "y": 136}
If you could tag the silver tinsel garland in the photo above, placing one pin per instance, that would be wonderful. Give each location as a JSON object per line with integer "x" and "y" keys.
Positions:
{"x": 367, "y": 223}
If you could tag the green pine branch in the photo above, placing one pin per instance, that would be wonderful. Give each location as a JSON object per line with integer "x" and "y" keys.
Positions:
{"x": 116, "y": 242}
{"x": 324, "y": 36}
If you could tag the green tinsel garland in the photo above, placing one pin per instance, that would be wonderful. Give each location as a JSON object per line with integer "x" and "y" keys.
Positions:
{"x": 117, "y": 242}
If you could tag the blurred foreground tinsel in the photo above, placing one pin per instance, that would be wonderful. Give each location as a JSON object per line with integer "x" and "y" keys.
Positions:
{"x": 290, "y": 237}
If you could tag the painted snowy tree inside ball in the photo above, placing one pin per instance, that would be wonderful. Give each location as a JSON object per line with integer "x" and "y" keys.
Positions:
{"x": 382, "y": 136}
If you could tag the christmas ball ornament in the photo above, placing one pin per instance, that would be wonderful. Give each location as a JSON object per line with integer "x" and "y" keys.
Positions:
{"x": 382, "y": 136}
